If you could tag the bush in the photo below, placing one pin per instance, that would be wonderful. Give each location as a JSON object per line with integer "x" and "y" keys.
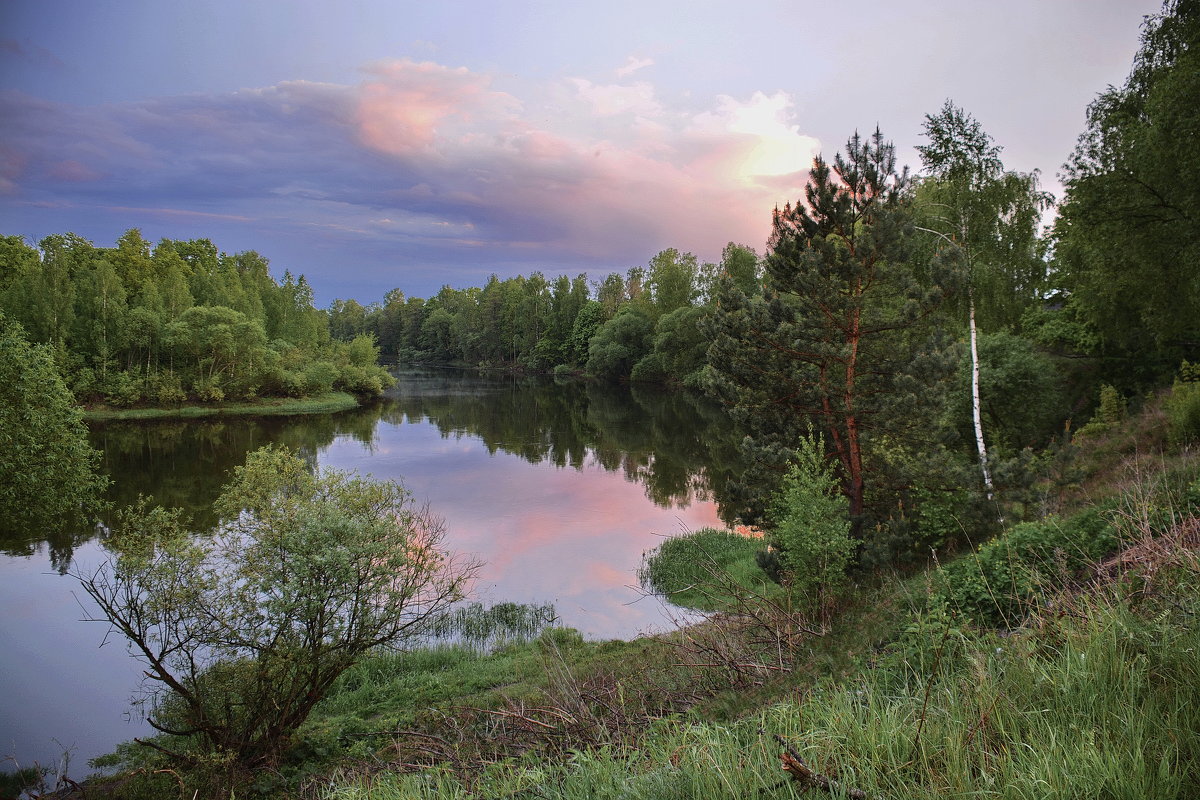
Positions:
{"x": 167, "y": 389}
{"x": 1112, "y": 412}
{"x": 319, "y": 378}
{"x": 691, "y": 571}
{"x": 359, "y": 380}
{"x": 122, "y": 388}
{"x": 1003, "y": 580}
{"x": 1183, "y": 406}
{"x": 208, "y": 390}
{"x": 811, "y": 531}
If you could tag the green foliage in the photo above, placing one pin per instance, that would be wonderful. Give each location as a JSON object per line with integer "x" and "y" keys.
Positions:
{"x": 810, "y": 531}
{"x": 992, "y": 214}
{"x": 1183, "y": 405}
{"x": 47, "y": 469}
{"x": 137, "y": 324}
{"x": 1110, "y": 413}
{"x": 1021, "y": 390}
{"x": 1006, "y": 578}
{"x": 941, "y": 518}
{"x": 619, "y": 344}
{"x": 844, "y": 333}
{"x": 680, "y": 347}
{"x": 245, "y": 631}
{"x": 696, "y": 570}
{"x": 1127, "y": 239}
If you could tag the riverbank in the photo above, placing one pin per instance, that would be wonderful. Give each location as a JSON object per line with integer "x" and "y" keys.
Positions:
{"x": 268, "y": 406}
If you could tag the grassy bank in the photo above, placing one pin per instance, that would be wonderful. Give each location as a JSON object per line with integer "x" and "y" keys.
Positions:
{"x": 1103, "y": 701}
{"x": 267, "y": 406}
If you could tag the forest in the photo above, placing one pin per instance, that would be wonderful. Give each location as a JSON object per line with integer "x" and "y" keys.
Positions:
{"x": 943, "y": 343}
{"x": 162, "y": 324}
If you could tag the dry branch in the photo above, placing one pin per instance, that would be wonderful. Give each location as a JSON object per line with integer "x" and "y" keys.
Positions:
{"x": 800, "y": 772}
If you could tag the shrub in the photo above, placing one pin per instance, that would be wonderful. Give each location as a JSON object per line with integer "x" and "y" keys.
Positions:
{"x": 208, "y": 390}
{"x": 691, "y": 571}
{"x": 1112, "y": 412}
{"x": 360, "y": 380}
{"x": 811, "y": 531}
{"x": 167, "y": 389}
{"x": 319, "y": 377}
{"x": 122, "y": 388}
{"x": 1183, "y": 405}
{"x": 1003, "y": 580}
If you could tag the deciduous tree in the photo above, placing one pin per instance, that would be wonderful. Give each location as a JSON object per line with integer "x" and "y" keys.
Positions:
{"x": 1128, "y": 232}
{"x": 970, "y": 202}
{"x": 244, "y": 631}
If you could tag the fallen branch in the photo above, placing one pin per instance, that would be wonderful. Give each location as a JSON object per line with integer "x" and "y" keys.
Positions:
{"x": 794, "y": 766}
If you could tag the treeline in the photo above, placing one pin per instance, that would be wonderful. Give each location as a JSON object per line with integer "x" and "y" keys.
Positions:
{"x": 178, "y": 321}
{"x": 643, "y": 325}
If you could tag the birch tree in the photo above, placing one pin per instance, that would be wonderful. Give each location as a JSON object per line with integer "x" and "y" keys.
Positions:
{"x": 992, "y": 216}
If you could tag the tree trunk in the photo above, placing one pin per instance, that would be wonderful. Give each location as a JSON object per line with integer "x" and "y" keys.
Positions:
{"x": 975, "y": 407}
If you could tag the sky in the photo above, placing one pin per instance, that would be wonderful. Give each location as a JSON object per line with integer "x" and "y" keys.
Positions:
{"x": 380, "y": 144}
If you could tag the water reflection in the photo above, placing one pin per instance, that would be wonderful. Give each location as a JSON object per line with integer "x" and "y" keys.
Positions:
{"x": 558, "y": 487}
{"x": 677, "y": 446}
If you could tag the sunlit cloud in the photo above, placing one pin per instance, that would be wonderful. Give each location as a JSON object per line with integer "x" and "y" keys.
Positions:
{"x": 776, "y": 147}
{"x": 407, "y": 106}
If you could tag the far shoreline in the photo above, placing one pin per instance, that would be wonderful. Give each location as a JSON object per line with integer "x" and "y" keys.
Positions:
{"x": 327, "y": 403}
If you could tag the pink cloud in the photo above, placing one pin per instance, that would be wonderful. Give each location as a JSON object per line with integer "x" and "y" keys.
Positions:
{"x": 692, "y": 181}
{"x": 408, "y": 106}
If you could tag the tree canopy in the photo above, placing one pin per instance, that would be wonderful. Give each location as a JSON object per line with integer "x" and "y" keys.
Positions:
{"x": 1128, "y": 234}
{"x": 842, "y": 333}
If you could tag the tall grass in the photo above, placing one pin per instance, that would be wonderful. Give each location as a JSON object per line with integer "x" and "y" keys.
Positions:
{"x": 1097, "y": 702}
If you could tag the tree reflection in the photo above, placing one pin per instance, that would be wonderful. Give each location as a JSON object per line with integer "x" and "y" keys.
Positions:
{"x": 679, "y": 446}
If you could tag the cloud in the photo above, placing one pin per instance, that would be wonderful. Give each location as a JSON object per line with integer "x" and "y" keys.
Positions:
{"x": 776, "y": 147}
{"x": 632, "y": 65}
{"x": 410, "y": 107}
{"x": 612, "y": 99}
{"x": 423, "y": 165}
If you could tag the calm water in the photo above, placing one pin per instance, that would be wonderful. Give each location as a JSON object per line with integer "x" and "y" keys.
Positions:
{"x": 559, "y": 488}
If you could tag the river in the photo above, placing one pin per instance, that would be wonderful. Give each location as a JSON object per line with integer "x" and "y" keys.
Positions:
{"x": 558, "y": 487}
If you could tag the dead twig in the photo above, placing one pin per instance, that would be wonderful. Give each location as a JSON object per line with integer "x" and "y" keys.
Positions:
{"x": 800, "y": 772}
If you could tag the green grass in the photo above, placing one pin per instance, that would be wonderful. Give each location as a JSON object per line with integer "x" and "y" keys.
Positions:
{"x": 700, "y": 570}
{"x": 270, "y": 406}
{"x": 1103, "y": 701}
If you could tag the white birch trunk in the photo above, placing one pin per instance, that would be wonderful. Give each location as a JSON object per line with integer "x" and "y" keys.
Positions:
{"x": 978, "y": 416}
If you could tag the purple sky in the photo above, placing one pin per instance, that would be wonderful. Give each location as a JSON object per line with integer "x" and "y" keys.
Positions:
{"x": 373, "y": 144}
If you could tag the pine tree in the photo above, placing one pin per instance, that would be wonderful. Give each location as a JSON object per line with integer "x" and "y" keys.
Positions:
{"x": 841, "y": 335}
